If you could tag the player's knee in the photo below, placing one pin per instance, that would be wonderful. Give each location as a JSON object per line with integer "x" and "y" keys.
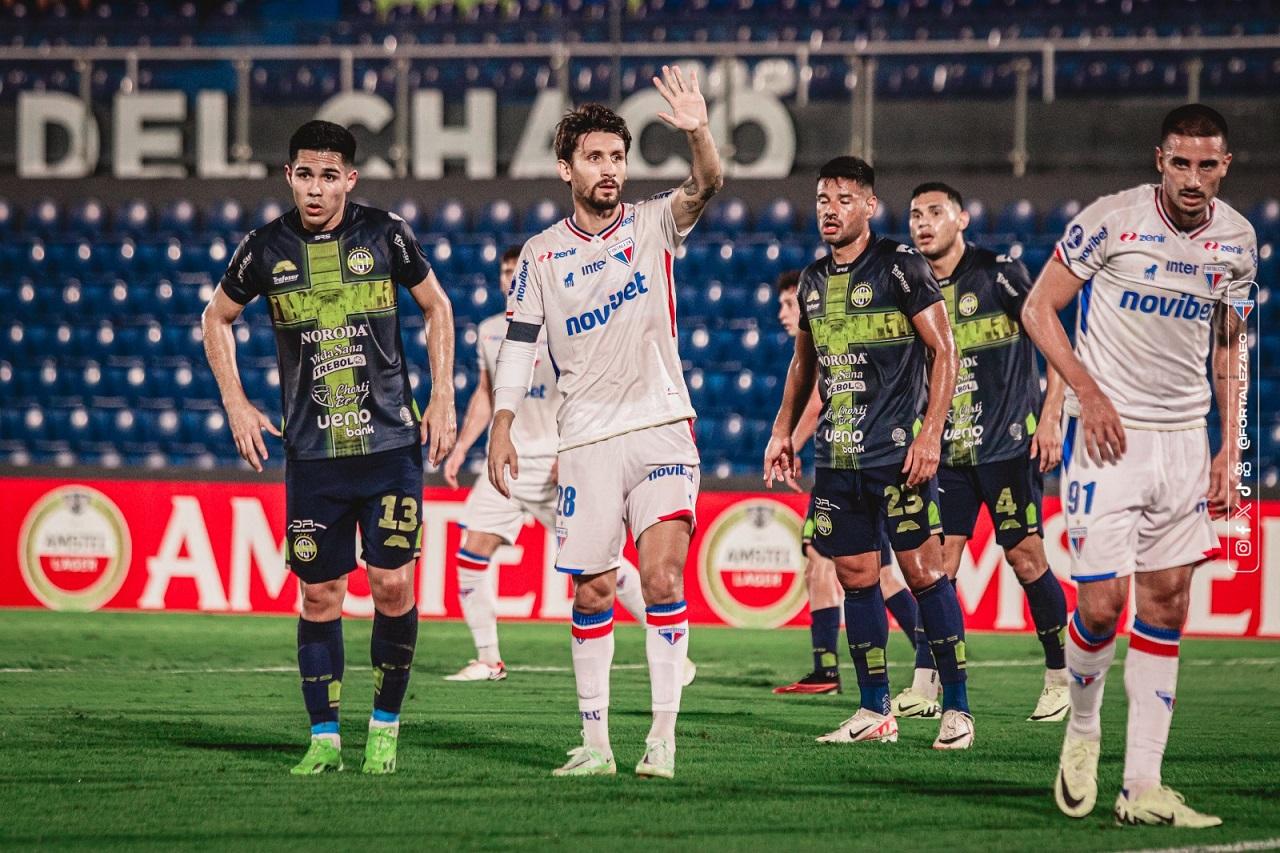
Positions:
{"x": 592, "y": 595}
{"x": 322, "y": 601}
{"x": 392, "y": 590}
{"x": 857, "y": 577}
{"x": 662, "y": 587}
{"x": 1100, "y": 610}
{"x": 1027, "y": 559}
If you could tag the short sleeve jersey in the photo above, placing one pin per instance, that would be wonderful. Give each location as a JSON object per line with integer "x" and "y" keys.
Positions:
{"x": 1143, "y": 326}
{"x": 871, "y": 363}
{"x": 344, "y": 384}
{"x": 993, "y": 412}
{"x": 534, "y": 431}
{"x": 608, "y": 301}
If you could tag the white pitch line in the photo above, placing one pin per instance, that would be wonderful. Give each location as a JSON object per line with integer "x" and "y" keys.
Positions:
{"x": 268, "y": 670}
{"x": 1235, "y": 847}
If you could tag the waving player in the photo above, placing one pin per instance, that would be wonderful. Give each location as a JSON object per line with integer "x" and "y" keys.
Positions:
{"x": 1154, "y": 267}
{"x": 601, "y": 282}
{"x": 491, "y": 519}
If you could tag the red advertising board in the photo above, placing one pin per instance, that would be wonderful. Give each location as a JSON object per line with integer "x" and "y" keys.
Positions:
{"x": 213, "y": 546}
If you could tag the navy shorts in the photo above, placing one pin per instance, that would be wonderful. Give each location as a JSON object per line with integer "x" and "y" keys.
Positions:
{"x": 806, "y": 538}
{"x": 327, "y": 499}
{"x": 855, "y": 510}
{"x": 1011, "y": 489}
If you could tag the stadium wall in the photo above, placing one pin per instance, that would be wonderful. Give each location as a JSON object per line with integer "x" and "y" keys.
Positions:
{"x": 218, "y": 546}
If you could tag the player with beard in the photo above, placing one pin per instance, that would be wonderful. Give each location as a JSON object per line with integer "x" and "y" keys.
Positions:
{"x": 602, "y": 283}
{"x": 1156, "y": 269}
{"x": 823, "y": 588}
{"x": 872, "y": 328}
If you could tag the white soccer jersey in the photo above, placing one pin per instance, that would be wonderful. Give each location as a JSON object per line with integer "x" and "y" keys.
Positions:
{"x": 1144, "y": 322}
{"x": 608, "y": 302}
{"x": 534, "y": 431}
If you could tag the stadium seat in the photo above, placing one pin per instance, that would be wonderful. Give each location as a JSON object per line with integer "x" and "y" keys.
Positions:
{"x": 87, "y": 218}
{"x": 449, "y": 218}
{"x": 266, "y": 211}
{"x": 1056, "y": 220}
{"x": 496, "y": 217}
{"x": 134, "y": 219}
{"x": 1017, "y": 218}
{"x": 778, "y": 219}
{"x": 43, "y": 219}
{"x": 225, "y": 218}
{"x": 542, "y": 214}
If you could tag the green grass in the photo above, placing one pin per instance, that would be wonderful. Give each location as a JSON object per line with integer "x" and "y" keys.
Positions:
{"x": 120, "y": 738}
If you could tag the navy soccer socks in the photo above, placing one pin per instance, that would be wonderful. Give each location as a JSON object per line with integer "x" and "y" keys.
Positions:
{"x": 824, "y": 629}
{"x": 320, "y": 662}
{"x": 1049, "y": 613}
{"x": 944, "y": 626}
{"x": 391, "y": 650}
{"x": 868, "y": 628}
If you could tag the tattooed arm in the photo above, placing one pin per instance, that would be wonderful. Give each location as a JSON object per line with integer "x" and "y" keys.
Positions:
{"x": 689, "y": 113}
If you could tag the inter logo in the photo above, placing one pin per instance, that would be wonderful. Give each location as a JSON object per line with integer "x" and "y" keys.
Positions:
{"x": 360, "y": 261}
{"x": 623, "y": 251}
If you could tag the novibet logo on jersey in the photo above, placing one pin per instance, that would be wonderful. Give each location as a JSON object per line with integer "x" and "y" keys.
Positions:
{"x": 74, "y": 549}
{"x": 751, "y": 566}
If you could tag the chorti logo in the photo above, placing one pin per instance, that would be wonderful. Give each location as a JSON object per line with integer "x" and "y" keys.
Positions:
{"x": 751, "y": 567}
{"x": 74, "y": 549}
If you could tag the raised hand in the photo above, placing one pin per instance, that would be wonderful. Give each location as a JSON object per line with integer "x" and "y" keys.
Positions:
{"x": 688, "y": 107}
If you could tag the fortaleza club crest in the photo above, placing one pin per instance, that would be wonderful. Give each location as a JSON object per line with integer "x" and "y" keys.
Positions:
{"x": 751, "y": 566}
{"x": 360, "y": 261}
{"x": 623, "y": 251}
{"x": 1213, "y": 274}
{"x": 74, "y": 549}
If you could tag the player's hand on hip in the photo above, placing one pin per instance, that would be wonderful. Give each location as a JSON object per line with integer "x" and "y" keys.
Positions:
{"x": 688, "y": 107}
{"x": 439, "y": 428}
{"x": 1104, "y": 434}
{"x": 781, "y": 462}
{"x": 247, "y": 425}
{"x": 1224, "y": 479}
{"x": 922, "y": 460}
{"x": 1046, "y": 445}
{"x": 502, "y": 455}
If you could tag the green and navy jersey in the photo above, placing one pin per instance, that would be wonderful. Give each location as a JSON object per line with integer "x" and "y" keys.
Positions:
{"x": 993, "y": 412}
{"x": 871, "y": 363}
{"x": 344, "y": 383}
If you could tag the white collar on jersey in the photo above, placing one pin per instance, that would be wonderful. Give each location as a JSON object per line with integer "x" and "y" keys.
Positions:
{"x": 604, "y": 233}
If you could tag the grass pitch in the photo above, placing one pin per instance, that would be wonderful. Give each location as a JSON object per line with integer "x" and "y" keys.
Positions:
{"x": 163, "y": 731}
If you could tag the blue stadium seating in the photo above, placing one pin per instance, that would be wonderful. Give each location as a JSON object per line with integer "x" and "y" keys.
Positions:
{"x": 107, "y": 323}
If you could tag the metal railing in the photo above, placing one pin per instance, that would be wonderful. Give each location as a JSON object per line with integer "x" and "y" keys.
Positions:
{"x": 861, "y": 54}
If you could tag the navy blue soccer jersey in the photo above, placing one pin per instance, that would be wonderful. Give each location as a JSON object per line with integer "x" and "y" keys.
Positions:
{"x": 344, "y": 383}
{"x": 993, "y": 411}
{"x": 871, "y": 363}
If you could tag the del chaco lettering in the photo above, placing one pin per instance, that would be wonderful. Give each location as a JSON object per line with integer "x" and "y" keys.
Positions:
{"x": 1183, "y": 307}
{"x": 597, "y": 317}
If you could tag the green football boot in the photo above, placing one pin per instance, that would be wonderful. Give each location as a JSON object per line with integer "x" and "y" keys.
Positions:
{"x": 380, "y": 751}
{"x": 322, "y": 757}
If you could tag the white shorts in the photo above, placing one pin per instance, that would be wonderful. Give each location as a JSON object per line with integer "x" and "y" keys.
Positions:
{"x": 1145, "y": 513}
{"x": 487, "y": 511}
{"x": 633, "y": 480}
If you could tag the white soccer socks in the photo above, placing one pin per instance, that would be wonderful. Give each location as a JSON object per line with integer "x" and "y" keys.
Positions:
{"x": 1151, "y": 680}
{"x": 479, "y": 602}
{"x": 1088, "y": 659}
{"x": 666, "y": 645}
{"x": 592, "y": 659}
{"x": 628, "y": 591}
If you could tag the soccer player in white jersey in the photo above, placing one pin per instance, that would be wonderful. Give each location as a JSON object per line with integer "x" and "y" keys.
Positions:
{"x": 601, "y": 282}
{"x": 491, "y": 520}
{"x": 1155, "y": 268}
